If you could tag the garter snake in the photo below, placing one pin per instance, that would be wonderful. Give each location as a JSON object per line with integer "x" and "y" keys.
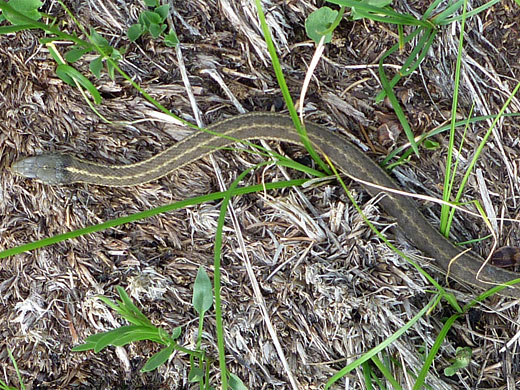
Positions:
{"x": 64, "y": 169}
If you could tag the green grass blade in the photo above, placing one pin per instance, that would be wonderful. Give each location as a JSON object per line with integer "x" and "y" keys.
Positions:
{"x": 469, "y": 14}
{"x": 398, "y": 110}
{"x": 431, "y": 8}
{"x": 158, "y": 359}
{"x": 145, "y": 214}
{"x": 381, "y": 95}
{"x": 447, "y": 212}
{"x": 436, "y": 131}
{"x": 15, "y": 28}
{"x": 285, "y": 90}
{"x": 386, "y": 373}
{"x": 385, "y": 15}
{"x": 450, "y": 10}
{"x": 374, "y": 351}
{"x": 409, "y": 66}
{"x": 481, "y": 146}
{"x": 419, "y": 383}
{"x": 217, "y": 276}
{"x": 16, "y": 369}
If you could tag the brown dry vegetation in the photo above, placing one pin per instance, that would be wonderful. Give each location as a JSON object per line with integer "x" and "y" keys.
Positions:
{"x": 332, "y": 290}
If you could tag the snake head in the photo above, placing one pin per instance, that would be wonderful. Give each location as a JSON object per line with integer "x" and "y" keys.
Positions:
{"x": 47, "y": 168}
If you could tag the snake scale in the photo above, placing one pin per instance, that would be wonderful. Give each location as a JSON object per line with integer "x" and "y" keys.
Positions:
{"x": 59, "y": 169}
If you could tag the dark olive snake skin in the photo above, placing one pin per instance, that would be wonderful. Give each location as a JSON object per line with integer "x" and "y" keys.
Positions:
{"x": 63, "y": 169}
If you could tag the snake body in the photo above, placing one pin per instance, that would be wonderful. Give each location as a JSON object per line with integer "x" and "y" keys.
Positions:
{"x": 64, "y": 169}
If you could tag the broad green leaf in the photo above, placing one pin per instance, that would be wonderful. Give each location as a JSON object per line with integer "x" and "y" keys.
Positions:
{"x": 96, "y": 65}
{"x": 116, "y": 55}
{"x": 152, "y": 17}
{"x": 65, "y": 77}
{"x": 163, "y": 11}
{"x": 65, "y": 72}
{"x": 90, "y": 342}
{"x": 82, "y": 347}
{"x": 157, "y": 359}
{"x": 108, "y": 302}
{"x": 127, "y": 334}
{"x": 318, "y": 22}
{"x": 98, "y": 40}
{"x": 135, "y": 31}
{"x": 236, "y": 383}
{"x": 202, "y": 292}
{"x": 75, "y": 54}
{"x": 132, "y": 310}
{"x": 431, "y": 144}
{"x": 151, "y": 335}
{"x": 143, "y": 21}
{"x": 155, "y": 30}
{"x": 122, "y": 336}
{"x": 95, "y": 337}
{"x": 163, "y": 336}
{"x": 176, "y": 333}
{"x": 109, "y": 337}
{"x": 196, "y": 374}
{"x": 111, "y": 71}
{"x": 29, "y": 8}
{"x": 171, "y": 39}
{"x": 151, "y": 3}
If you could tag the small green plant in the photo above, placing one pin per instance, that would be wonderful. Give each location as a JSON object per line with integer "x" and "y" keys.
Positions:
{"x": 152, "y": 21}
{"x": 96, "y": 65}
{"x": 461, "y": 361}
{"x": 319, "y": 23}
{"x": 24, "y": 15}
{"x": 141, "y": 328}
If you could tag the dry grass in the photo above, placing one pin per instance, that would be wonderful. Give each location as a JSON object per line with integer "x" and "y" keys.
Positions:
{"x": 331, "y": 289}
